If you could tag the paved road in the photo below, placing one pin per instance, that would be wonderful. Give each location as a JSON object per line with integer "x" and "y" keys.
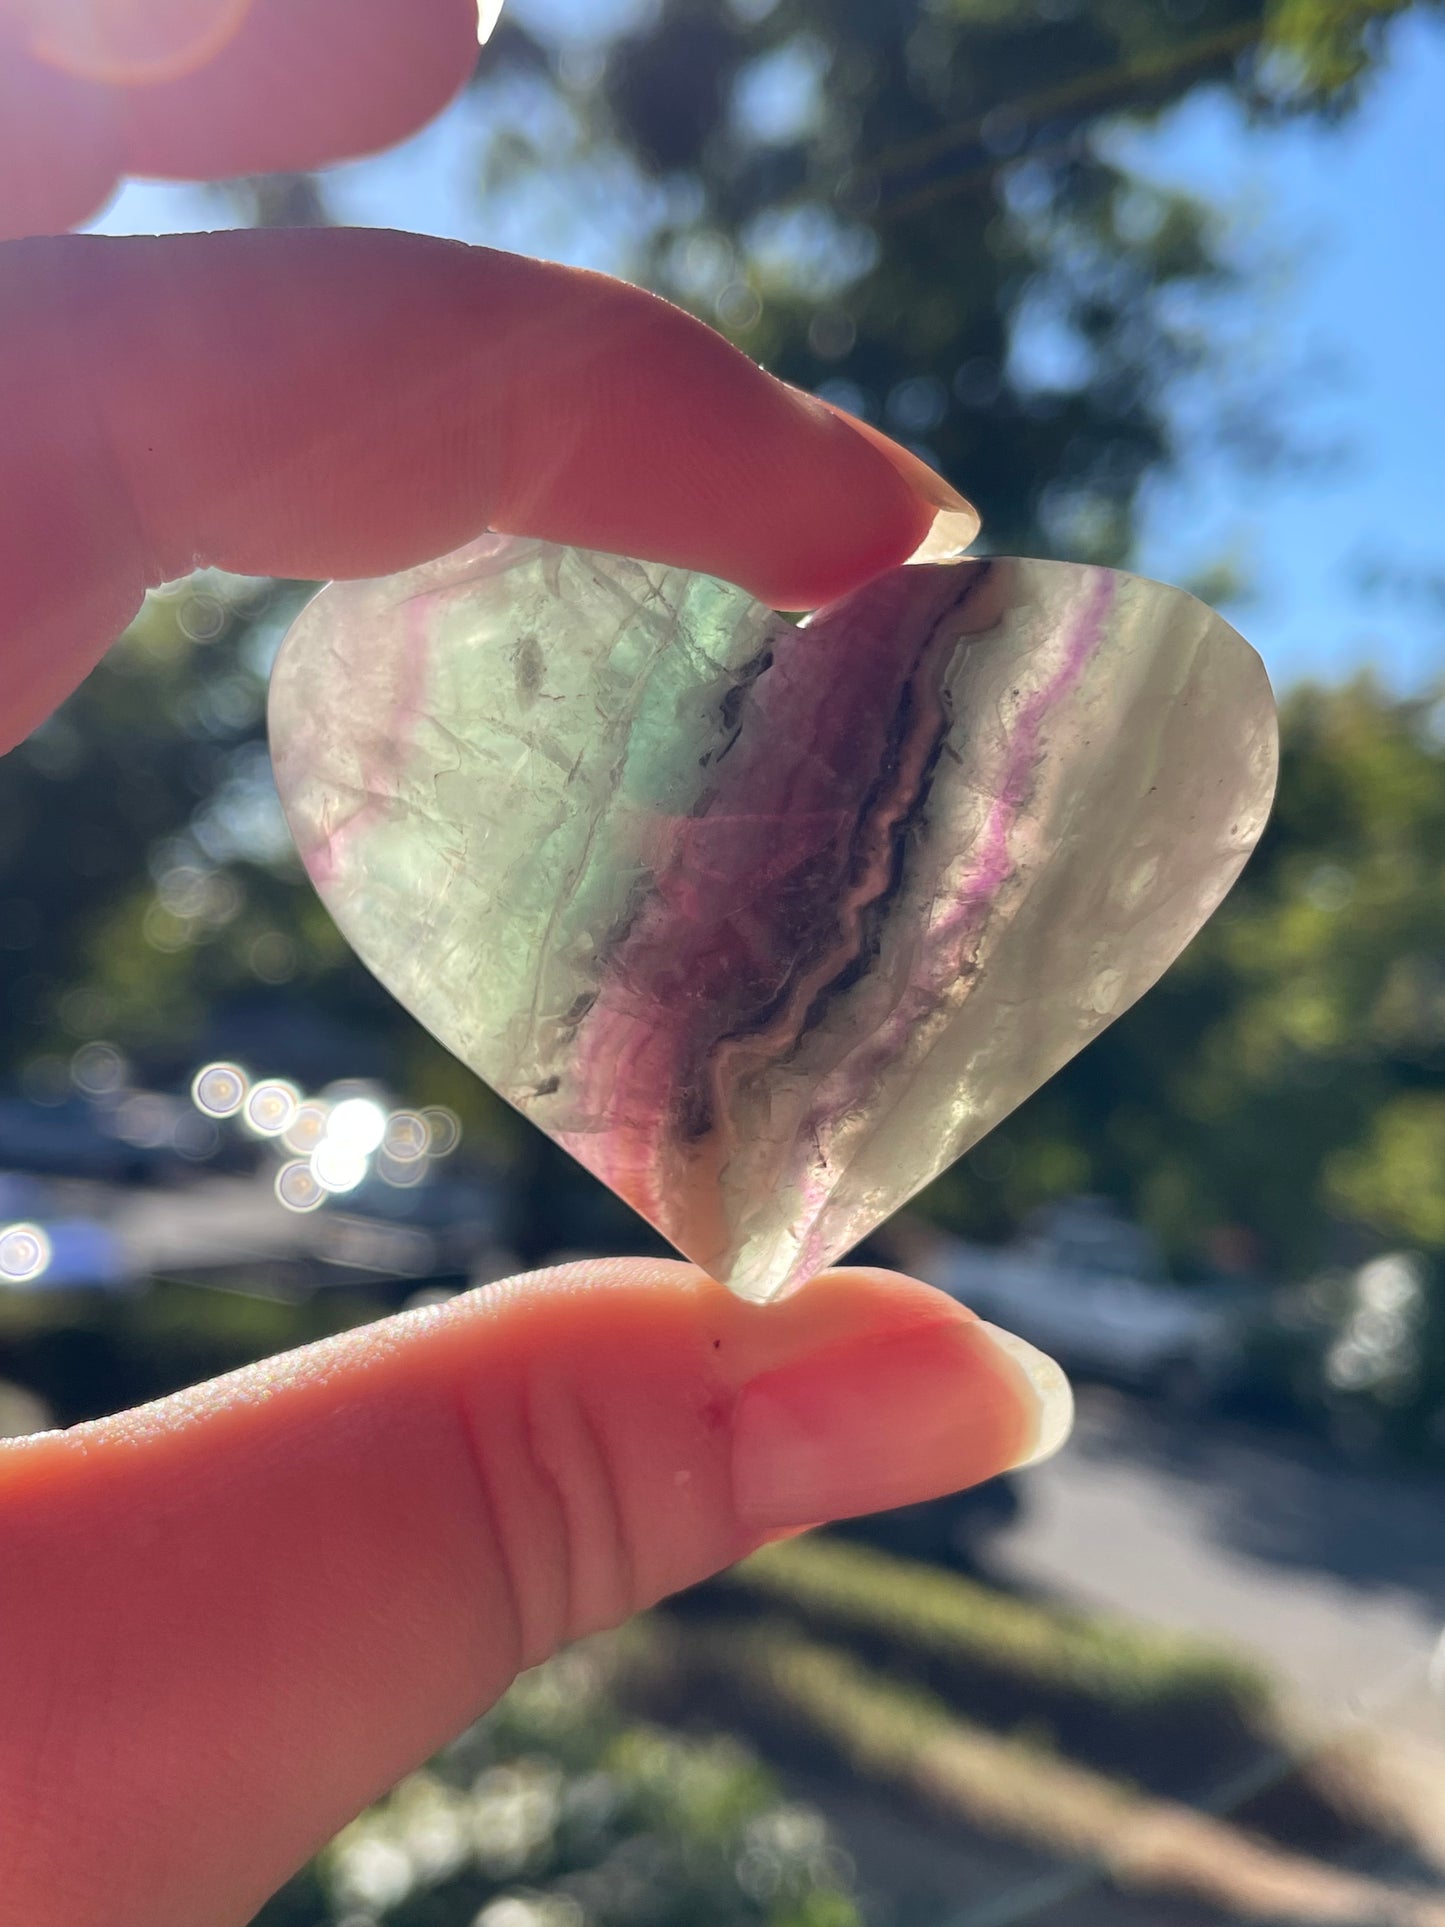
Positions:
{"x": 1336, "y": 1578}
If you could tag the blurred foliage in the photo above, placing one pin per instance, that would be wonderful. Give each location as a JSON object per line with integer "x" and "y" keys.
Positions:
{"x": 149, "y": 893}
{"x": 127, "y": 908}
{"x": 903, "y": 208}
{"x": 570, "y": 1803}
{"x": 1019, "y": 1719}
{"x": 1324, "y": 48}
{"x": 826, "y": 1707}
{"x": 919, "y": 211}
{"x": 557, "y": 1809}
{"x": 934, "y": 1615}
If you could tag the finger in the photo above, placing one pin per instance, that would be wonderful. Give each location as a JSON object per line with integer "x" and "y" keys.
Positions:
{"x": 60, "y": 147}
{"x": 347, "y": 402}
{"x": 204, "y": 89}
{"x": 233, "y": 1618}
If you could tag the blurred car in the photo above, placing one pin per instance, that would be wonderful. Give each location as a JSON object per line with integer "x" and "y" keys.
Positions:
{"x": 1089, "y": 1288}
{"x": 22, "y": 1411}
{"x": 439, "y": 1231}
{"x": 124, "y": 1137}
{"x": 67, "y": 1140}
{"x": 1343, "y": 1351}
{"x": 47, "y": 1246}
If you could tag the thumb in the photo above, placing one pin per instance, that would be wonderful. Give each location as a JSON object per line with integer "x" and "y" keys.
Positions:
{"x": 229, "y": 1620}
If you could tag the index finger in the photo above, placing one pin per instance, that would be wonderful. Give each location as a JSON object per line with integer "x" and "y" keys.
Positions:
{"x": 206, "y": 89}
{"x": 347, "y": 402}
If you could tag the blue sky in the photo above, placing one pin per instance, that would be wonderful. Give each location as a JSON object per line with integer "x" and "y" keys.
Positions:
{"x": 1345, "y": 322}
{"x": 1355, "y": 218}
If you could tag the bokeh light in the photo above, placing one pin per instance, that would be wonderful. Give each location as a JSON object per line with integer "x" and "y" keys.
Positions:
{"x": 338, "y": 1166}
{"x": 25, "y": 1254}
{"x": 445, "y": 1128}
{"x": 297, "y": 1186}
{"x": 407, "y": 1138}
{"x": 219, "y": 1089}
{"x": 98, "y": 1069}
{"x": 306, "y": 1129}
{"x": 357, "y": 1124}
{"x": 271, "y": 1107}
{"x": 402, "y": 1172}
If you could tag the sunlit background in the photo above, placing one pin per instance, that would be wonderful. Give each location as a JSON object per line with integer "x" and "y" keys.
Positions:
{"x": 1155, "y": 284}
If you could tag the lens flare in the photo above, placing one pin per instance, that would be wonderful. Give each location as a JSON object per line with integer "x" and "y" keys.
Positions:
{"x": 124, "y": 43}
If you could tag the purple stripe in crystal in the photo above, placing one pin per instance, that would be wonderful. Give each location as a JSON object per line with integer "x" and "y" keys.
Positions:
{"x": 765, "y": 899}
{"x": 951, "y": 938}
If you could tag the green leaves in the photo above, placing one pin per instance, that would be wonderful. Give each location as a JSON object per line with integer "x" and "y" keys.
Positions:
{"x": 559, "y": 1809}
{"x": 1322, "y": 48}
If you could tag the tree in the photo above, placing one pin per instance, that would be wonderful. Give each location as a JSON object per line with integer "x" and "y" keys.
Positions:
{"x": 914, "y": 208}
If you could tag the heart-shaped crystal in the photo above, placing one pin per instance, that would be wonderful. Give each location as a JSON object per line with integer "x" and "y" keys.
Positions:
{"x": 766, "y": 922}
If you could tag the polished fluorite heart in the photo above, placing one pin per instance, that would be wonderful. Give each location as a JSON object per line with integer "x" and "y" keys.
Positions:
{"x": 767, "y": 922}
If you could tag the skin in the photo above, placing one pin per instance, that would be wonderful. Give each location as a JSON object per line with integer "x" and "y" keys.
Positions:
{"x": 229, "y": 1620}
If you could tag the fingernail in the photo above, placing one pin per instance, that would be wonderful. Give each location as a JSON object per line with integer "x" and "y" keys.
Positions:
{"x": 865, "y": 1424}
{"x": 130, "y": 42}
{"x": 956, "y": 521}
{"x": 949, "y": 535}
{"x": 933, "y": 488}
{"x": 1049, "y": 1386}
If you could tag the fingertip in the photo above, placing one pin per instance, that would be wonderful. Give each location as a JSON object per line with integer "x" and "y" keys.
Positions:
{"x": 848, "y": 515}
{"x": 950, "y": 535}
{"x": 953, "y": 521}
{"x": 903, "y": 1398}
{"x": 867, "y": 506}
{"x": 1046, "y": 1397}
{"x": 1047, "y": 1390}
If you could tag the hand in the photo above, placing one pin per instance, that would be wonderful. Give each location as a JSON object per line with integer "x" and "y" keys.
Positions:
{"x": 229, "y": 1620}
